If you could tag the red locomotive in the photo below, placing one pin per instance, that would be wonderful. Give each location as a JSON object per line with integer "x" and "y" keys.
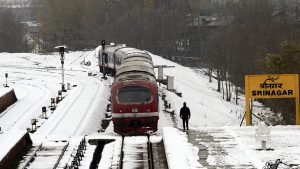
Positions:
{"x": 134, "y": 92}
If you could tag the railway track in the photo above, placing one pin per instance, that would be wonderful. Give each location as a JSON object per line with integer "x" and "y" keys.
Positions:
{"x": 135, "y": 154}
{"x": 150, "y": 154}
{"x": 24, "y": 109}
{"x": 46, "y": 155}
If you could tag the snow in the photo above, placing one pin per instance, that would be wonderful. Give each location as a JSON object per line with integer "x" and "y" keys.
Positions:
{"x": 284, "y": 144}
{"x": 8, "y": 140}
{"x": 3, "y": 91}
{"x": 209, "y": 110}
{"x": 206, "y": 105}
{"x": 48, "y": 155}
{"x": 179, "y": 152}
{"x": 107, "y": 158}
{"x": 214, "y": 123}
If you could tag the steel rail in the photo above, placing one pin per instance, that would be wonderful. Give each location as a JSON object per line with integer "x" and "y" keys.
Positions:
{"x": 61, "y": 155}
{"x": 150, "y": 153}
{"x": 121, "y": 154}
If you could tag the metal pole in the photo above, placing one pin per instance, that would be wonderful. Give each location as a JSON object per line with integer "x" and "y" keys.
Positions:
{"x": 297, "y": 101}
{"x": 248, "y": 114}
{"x": 103, "y": 65}
{"x": 62, "y": 73}
{"x": 62, "y": 52}
{"x": 99, "y": 62}
{"x": 103, "y": 59}
{"x": 63, "y": 78}
{"x": 6, "y": 75}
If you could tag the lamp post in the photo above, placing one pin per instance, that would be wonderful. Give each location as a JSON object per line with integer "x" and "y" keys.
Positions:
{"x": 61, "y": 50}
{"x": 6, "y": 76}
{"x": 104, "y": 59}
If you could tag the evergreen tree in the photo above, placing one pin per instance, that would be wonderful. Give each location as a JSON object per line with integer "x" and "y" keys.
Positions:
{"x": 287, "y": 60}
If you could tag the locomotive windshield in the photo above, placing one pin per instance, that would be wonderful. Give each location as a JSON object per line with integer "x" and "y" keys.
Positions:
{"x": 134, "y": 94}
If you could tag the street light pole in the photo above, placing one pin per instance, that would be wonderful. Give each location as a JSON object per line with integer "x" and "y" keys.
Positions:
{"x": 104, "y": 59}
{"x": 61, "y": 50}
{"x": 63, "y": 74}
{"x": 6, "y": 76}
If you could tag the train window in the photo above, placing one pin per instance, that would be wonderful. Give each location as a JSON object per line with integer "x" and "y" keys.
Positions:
{"x": 134, "y": 94}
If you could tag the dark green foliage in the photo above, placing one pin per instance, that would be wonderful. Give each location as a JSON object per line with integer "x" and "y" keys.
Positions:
{"x": 59, "y": 16}
{"x": 286, "y": 60}
{"x": 61, "y": 23}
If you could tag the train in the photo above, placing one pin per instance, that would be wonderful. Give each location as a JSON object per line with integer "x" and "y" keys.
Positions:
{"x": 134, "y": 91}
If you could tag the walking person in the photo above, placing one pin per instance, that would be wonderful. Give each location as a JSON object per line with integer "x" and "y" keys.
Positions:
{"x": 185, "y": 115}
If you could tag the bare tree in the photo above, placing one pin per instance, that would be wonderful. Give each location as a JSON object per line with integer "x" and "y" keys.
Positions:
{"x": 11, "y": 32}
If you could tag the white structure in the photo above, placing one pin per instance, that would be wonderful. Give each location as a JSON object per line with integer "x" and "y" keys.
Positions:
{"x": 160, "y": 72}
{"x": 170, "y": 83}
{"x": 263, "y": 134}
{"x": 68, "y": 86}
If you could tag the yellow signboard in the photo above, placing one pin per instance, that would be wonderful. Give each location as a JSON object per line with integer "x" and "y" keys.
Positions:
{"x": 272, "y": 86}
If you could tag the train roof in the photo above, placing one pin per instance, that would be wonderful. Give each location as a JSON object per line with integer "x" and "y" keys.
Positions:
{"x": 138, "y": 56}
{"x": 122, "y": 49}
{"x": 135, "y": 52}
{"x": 135, "y": 76}
{"x": 135, "y": 66}
{"x": 127, "y": 52}
{"x": 112, "y": 49}
{"x": 131, "y": 59}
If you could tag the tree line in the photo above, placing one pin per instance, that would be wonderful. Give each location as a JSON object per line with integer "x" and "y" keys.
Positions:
{"x": 13, "y": 15}
{"x": 11, "y": 32}
{"x": 262, "y": 38}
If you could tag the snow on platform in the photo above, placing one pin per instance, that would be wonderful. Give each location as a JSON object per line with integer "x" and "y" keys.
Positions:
{"x": 8, "y": 140}
{"x": 4, "y": 90}
{"x": 284, "y": 145}
{"x": 230, "y": 147}
{"x": 180, "y": 153}
{"x": 110, "y": 153}
{"x": 236, "y": 147}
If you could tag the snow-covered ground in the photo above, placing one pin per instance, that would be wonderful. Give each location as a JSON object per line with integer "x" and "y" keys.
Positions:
{"x": 214, "y": 123}
{"x": 219, "y": 120}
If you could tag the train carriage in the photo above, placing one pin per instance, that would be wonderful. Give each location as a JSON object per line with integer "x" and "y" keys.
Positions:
{"x": 134, "y": 91}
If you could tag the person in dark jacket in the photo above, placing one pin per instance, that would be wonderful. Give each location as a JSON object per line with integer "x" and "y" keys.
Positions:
{"x": 185, "y": 115}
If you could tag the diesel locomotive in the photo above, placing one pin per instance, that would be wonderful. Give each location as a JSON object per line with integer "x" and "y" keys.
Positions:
{"x": 134, "y": 91}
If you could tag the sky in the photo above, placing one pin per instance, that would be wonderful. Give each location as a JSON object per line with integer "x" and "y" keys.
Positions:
{"x": 215, "y": 133}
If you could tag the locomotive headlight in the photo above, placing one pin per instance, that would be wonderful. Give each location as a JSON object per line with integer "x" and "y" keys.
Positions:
{"x": 134, "y": 110}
